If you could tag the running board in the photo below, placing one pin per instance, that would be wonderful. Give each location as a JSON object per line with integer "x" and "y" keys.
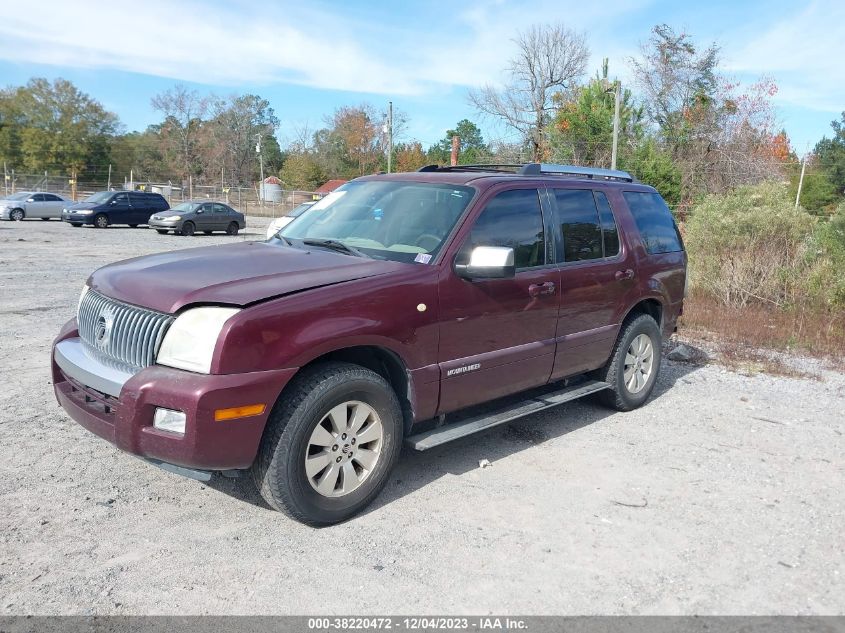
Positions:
{"x": 475, "y": 424}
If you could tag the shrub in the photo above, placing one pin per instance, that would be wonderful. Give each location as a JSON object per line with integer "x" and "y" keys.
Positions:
{"x": 826, "y": 260}
{"x": 750, "y": 245}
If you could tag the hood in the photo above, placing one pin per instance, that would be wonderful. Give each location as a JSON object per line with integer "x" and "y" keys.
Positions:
{"x": 75, "y": 206}
{"x": 234, "y": 274}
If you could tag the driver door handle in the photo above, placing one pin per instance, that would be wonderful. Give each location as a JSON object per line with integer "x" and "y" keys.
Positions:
{"x": 537, "y": 290}
{"x": 624, "y": 274}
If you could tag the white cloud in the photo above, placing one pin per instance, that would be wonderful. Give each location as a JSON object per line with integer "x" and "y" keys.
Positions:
{"x": 192, "y": 42}
{"x": 803, "y": 52}
{"x": 250, "y": 42}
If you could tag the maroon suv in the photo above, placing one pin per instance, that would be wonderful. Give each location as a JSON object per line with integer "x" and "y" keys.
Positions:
{"x": 379, "y": 315}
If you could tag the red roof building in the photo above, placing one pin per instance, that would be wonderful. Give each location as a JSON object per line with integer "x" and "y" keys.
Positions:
{"x": 330, "y": 186}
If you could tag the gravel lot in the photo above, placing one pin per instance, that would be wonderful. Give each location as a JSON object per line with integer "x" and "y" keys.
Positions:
{"x": 724, "y": 494}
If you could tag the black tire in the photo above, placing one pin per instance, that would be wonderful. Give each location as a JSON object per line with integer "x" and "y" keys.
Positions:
{"x": 17, "y": 215}
{"x": 101, "y": 221}
{"x": 232, "y": 229}
{"x": 161, "y": 231}
{"x": 133, "y": 226}
{"x": 187, "y": 229}
{"x": 279, "y": 469}
{"x": 619, "y": 397}
{"x": 76, "y": 224}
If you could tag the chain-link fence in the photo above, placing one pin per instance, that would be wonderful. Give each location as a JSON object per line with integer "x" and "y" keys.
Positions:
{"x": 245, "y": 199}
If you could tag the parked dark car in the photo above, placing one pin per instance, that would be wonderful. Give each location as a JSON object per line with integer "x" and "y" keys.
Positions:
{"x": 199, "y": 215}
{"x": 380, "y": 316}
{"x": 105, "y": 208}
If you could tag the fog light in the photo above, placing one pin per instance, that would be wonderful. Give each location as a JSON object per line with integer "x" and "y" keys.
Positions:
{"x": 169, "y": 420}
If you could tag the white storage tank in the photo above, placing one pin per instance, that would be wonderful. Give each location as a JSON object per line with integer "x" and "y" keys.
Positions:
{"x": 271, "y": 189}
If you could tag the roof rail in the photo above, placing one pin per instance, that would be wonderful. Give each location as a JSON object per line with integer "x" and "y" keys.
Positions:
{"x": 537, "y": 169}
{"x": 509, "y": 168}
{"x": 540, "y": 169}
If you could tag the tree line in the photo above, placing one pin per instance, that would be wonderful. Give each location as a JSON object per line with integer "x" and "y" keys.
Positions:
{"x": 684, "y": 127}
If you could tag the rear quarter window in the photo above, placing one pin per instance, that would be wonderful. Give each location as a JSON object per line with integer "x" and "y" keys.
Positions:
{"x": 654, "y": 221}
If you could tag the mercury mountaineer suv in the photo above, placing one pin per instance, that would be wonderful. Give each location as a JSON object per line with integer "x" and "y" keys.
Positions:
{"x": 381, "y": 315}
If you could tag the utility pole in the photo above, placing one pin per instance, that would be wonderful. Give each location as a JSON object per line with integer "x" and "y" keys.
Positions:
{"x": 801, "y": 180}
{"x": 5, "y": 179}
{"x": 389, "y": 136}
{"x": 261, "y": 164}
{"x": 616, "y": 103}
{"x": 108, "y": 186}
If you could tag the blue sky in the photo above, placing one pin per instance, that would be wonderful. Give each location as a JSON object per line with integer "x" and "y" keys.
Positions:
{"x": 309, "y": 58}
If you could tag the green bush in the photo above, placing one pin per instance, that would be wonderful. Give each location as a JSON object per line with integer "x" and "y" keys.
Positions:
{"x": 751, "y": 246}
{"x": 826, "y": 260}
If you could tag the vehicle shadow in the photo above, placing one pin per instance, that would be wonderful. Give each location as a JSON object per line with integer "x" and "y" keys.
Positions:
{"x": 416, "y": 470}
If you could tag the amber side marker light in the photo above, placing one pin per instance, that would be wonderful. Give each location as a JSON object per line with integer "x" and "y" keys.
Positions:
{"x": 221, "y": 415}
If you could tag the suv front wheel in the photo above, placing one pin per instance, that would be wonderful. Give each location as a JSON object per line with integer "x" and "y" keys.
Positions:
{"x": 634, "y": 365}
{"x": 330, "y": 444}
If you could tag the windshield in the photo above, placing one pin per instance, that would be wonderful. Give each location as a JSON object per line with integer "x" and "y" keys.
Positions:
{"x": 100, "y": 196}
{"x": 19, "y": 196}
{"x": 302, "y": 208}
{"x": 385, "y": 219}
{"x": 185, "y": 207}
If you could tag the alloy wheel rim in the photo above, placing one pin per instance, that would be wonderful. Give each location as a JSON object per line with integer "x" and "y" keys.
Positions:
{"x": 344, "y": 449}
{"x": 639, "y": 363}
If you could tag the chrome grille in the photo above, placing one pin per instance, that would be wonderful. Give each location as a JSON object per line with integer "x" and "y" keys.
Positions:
{"x": 120, "y": 331}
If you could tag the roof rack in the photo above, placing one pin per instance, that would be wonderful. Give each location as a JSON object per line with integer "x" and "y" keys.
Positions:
{"x": 507, "y": 168}
{"x": 541, "y": 169}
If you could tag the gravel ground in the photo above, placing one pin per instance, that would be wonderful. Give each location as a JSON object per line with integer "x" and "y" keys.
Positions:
{"x": 724, "y": 494}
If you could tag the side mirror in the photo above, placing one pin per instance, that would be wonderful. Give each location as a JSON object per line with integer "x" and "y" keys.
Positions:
{"x": 200, "y": 211}
{"x": 113, "y": 201}
{"x": 488, "y": 262}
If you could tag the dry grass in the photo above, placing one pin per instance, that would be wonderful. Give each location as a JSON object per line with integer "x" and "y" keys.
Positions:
{"x": 739, "y": 332}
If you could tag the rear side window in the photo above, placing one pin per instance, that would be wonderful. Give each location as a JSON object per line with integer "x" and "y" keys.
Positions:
{"x": 610, "y": 233}
{"x": 579, "y": 224}
{"x": 655, "y": 222}
{"x": 158, "y": 202}
{"x": 512, "y": 219}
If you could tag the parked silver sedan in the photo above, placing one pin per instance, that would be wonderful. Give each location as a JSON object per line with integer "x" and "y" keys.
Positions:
{"x": 32, "y": 204}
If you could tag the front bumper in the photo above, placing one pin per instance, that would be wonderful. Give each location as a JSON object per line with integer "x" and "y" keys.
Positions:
{"x": 4, "y": 213}
{"x": 159, "y": 224}
{"x": 87, "y": 218}
{"x": 118, "y": 405}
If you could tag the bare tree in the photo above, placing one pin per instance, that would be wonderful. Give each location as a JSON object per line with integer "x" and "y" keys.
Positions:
{"x": 550, "y": 59}
{"x": 183, "y": 112}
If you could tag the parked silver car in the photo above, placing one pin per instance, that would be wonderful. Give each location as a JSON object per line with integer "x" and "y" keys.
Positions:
{"x": 32, "y": 204}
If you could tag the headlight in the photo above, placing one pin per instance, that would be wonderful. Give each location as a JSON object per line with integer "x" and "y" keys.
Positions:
{"x": 83, "y": 212}
{"x": 171, "y": 218}
{"x": 190, "y": 341}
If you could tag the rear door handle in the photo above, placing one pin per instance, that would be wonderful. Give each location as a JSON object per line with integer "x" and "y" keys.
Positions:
{"x": 624, "y": 274}
{"x": 537, "y": 290}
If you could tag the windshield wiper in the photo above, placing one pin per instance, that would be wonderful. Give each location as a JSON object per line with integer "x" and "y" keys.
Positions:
{"x": 336, "y": 245}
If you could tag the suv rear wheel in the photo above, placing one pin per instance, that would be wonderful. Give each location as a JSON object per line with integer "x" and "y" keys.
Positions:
{"x": 632, "y": 370}
{"x": 330, "y": 444}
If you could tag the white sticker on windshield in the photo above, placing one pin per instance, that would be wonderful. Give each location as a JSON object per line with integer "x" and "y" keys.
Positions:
{"x": 422, "y": 258}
